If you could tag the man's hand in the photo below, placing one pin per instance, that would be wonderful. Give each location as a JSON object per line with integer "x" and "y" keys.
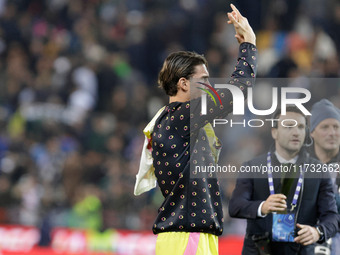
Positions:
{"x": 274, "y": 203}
{"x": 244, "y": 32}
{"x": 306, "y": 235}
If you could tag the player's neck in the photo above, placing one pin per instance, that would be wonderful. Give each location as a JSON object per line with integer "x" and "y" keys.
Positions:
{"x": 325, "y": 155}
{"x": 180, "y": 97}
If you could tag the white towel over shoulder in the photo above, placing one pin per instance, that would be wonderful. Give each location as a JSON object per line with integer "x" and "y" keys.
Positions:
{"x": 146, "y": 179}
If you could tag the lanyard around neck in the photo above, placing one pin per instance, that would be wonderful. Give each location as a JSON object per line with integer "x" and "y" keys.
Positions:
{"x": 271, "y": 182}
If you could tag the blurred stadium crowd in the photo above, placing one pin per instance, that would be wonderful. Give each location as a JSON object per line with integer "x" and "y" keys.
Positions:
{"x": 78, "y": 83}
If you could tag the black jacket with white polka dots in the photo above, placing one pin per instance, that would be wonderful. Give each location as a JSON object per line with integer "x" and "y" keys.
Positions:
{"x": 181, "y": 139}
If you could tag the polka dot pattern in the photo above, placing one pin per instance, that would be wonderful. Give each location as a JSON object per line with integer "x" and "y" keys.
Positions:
{"x": 192, "y": 202}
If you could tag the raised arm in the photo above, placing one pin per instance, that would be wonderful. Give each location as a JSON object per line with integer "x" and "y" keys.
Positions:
{"x": 219, "y": 102}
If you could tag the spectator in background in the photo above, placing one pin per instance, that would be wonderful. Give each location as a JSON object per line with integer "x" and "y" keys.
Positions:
{"x": 287, "y": 211}
{"x": 325, "y": 130}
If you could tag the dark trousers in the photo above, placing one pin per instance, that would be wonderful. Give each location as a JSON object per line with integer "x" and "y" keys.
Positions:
{"x": 278, "y": 248}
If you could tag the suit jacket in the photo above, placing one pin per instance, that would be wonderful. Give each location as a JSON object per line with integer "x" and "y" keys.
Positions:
{"x": 316, "y": 204}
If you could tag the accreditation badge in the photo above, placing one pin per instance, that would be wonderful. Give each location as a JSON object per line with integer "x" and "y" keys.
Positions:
{"x": 283, "y": 227}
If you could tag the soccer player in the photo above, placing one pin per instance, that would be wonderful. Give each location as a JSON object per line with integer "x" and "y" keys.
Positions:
{"x": 190, "y": 219}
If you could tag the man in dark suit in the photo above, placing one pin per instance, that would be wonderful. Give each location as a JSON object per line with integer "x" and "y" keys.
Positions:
{"x": 287, "y": 212}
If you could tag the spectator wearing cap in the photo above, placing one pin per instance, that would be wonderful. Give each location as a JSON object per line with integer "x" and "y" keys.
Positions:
{"x": 325, "y": 130}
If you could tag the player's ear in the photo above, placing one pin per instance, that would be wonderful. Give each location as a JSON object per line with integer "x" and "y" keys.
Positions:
{"x": 183, "y": 84}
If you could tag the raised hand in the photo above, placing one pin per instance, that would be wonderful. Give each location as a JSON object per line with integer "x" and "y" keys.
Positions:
{"x": 244, "y": 32}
